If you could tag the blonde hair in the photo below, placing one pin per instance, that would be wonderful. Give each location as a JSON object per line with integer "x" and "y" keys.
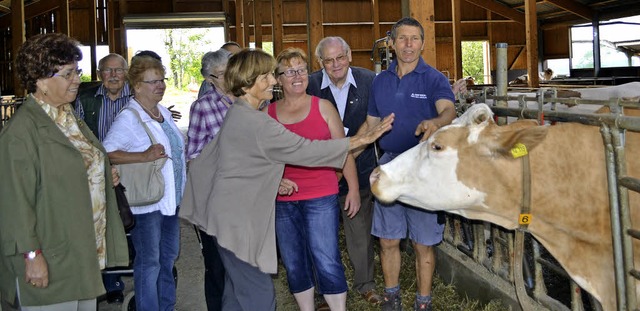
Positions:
{"x": 139, "y": 65}
{"x": 245, "y": 67}
{"x": 285, "y": 57}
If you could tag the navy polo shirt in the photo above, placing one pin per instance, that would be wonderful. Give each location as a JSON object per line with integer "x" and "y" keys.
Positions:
{"x": 412, "y": 98}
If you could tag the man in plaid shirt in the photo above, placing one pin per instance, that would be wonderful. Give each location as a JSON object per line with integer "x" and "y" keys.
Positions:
{"x": 208, "y": 111}
{"x": 206, "y": 117}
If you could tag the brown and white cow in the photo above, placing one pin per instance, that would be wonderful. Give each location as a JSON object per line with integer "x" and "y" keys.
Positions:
{"x": 467, "y": 168}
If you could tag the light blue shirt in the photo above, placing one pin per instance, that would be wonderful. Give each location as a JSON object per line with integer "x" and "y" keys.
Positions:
{"x": 339, "y": 94}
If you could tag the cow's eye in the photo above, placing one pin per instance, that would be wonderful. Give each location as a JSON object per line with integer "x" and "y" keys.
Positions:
{"x": 436, "y": 147}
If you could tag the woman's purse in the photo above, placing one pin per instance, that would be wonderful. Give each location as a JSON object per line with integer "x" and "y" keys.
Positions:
{"x": 144, "y": 181}
{"x": 124, "y": 209}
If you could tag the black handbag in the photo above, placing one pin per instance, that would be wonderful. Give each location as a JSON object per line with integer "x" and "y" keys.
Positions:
{"x": 123, "y": 207}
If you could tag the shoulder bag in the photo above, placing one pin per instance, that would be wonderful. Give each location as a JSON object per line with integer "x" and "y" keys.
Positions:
{"x": 144, "y": 181}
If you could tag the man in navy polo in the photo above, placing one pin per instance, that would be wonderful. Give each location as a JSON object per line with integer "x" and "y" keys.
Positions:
{"x": 422, "y": 100}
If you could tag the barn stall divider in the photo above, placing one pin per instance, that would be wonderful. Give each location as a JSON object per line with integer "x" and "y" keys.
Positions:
{"x": 541, "y": 283}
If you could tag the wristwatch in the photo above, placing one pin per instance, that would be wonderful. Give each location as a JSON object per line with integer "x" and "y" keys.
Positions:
{"x": 32, "y": 254}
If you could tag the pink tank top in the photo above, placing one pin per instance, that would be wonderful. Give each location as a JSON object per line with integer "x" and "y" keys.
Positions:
{"x": 313, "y": 182}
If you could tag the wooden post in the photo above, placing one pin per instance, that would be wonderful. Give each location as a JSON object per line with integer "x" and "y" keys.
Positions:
{"x": 63, "y": 18}
{"x": 123, "y": 31}
{"x": 276, "y": 26}
{"x": 239, "y": 26}
{"x": 316, "y": 30}
{"x": 225, "y": 9}
{"x": 423, "y": 11}
{"x": 531, "y": 25}
{"x": 375, "y": 17}
{"x": 257, "y": 22}
{"x": 17, "y": 38}
{"x": 246, "y": 24}
{"x": 93, "y": 36}
{"x": 456, "y": 15}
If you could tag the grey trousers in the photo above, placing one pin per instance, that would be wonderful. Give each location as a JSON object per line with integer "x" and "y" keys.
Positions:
{"x": 75, "y": 305}
{"x": 246, "y": 288}
{"x": 359, "y": 240}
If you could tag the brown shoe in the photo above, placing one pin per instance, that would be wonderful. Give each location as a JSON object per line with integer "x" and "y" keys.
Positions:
{"x": 372, "y": 297}
{"x": 323, "y": 306}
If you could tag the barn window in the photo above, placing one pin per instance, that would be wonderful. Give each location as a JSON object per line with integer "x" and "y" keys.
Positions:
{"x": 619, "y": 44}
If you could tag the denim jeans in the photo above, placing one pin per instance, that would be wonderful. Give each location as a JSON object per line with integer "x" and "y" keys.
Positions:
{"x": 156, "y": 239}
{"x": 307, "y": 235}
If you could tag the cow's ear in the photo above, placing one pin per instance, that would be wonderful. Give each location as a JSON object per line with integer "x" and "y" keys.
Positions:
{"x": 528, "y": 134}
{"x": 476, "y": 114}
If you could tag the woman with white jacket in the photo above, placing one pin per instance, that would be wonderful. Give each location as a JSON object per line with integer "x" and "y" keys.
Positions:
{"x": 156, "y": 236}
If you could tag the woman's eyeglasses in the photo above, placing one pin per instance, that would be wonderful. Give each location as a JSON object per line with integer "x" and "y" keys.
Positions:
{"x": 70, "y": 75}
{"x": 155, "y": 82}
{"x": 292, "y": 72}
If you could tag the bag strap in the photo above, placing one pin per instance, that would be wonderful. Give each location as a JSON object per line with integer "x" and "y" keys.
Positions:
{"x": 146, "y": 129}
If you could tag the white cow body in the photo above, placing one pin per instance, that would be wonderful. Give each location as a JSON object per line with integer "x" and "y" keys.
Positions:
{"x": 467, "y": 169}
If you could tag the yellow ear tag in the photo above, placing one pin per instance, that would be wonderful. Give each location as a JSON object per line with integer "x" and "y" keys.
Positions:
{"x": 519, "y": 150}
{"x": 524, "y": 219}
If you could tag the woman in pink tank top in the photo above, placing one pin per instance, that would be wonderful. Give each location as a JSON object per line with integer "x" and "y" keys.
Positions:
{"x": 307, "y": 219}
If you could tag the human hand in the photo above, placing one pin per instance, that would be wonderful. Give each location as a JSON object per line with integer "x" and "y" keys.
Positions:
{"x": 427, "y": 127}
{"x": 175, "y": 114}
{"x": 287, "y": 187}
{"x": 154, "y": 152}
{"x": 115, "y": 176}
{"x": 384, "y": 126}
{"x": 459, "y": 86}
{"x": 352, "y": 203}
{"x": 36, "y": 272}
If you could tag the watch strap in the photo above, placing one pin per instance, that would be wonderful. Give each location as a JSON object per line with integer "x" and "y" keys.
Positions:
{"x": 32, "y": 254}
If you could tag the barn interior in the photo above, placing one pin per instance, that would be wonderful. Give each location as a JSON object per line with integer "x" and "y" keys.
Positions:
{"x": 567, "y": 36}
{"x": 536, "y": 32}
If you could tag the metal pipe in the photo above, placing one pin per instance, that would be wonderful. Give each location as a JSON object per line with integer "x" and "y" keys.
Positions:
{"x": 618, "y": 256}
{"x": 501, "y": 76}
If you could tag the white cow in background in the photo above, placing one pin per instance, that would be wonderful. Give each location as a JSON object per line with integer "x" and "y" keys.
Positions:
{"x": 467, "y": 168}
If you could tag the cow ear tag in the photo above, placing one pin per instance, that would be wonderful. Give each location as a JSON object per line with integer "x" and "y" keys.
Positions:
{"x": 519, "y": 150}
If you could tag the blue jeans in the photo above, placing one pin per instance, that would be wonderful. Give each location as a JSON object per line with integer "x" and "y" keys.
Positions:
{"x": 307, "y": 235}
{"x": 156, "y": 239}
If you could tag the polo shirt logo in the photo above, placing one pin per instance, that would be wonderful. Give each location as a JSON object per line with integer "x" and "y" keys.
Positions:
{"x": 420, "y": 96}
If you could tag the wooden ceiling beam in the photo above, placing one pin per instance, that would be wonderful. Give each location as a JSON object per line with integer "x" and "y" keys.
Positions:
{"x": 500, "y": 9}
{"x": 574, "y": 7}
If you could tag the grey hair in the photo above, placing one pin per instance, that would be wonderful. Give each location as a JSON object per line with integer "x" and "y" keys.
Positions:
{"x": 406, "y": 21}
{"x": 327, "y": 40}
{"x": 214, "y": 59}
{"x": 110, "y": 56}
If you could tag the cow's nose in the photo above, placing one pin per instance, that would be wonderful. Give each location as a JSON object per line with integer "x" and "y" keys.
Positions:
{"x": 375, "y": 175}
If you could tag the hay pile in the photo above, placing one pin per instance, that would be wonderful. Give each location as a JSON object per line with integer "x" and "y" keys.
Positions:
{"x": 445, "y": 297}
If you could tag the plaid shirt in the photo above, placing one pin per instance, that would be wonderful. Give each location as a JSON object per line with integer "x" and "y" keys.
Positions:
{"x": 205, "y": 120}
{"x": 109, "y": 109}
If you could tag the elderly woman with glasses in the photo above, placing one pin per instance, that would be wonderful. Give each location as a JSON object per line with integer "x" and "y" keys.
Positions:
{"x": 307, "y": 220}
{"x": 232, "y": 185}
{"x": 59, "y": 222}
{"x": 156, "y": 234}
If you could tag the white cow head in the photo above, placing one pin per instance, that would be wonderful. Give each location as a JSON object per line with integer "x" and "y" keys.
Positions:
{"x": 455, "y": 167}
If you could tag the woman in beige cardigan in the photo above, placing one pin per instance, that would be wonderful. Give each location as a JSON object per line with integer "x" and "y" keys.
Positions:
{"x": 232, "y": 185}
